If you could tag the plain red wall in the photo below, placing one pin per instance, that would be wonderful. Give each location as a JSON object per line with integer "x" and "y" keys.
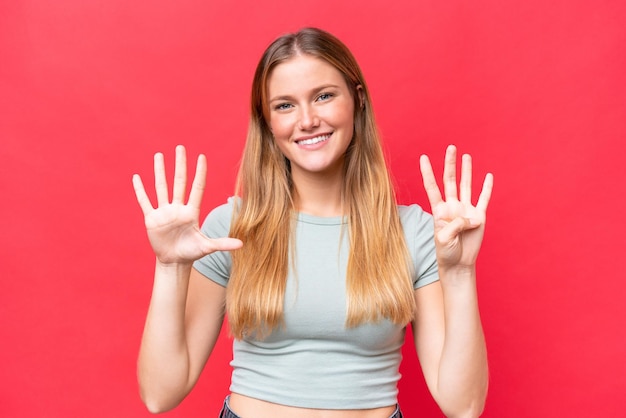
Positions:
{"x": 89, "y": 90}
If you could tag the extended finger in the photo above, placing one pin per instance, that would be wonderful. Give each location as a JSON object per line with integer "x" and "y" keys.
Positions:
{"x": 180, "y": 175}
{"x": 160, "y": 182}
{"x": 430, "y": 184}
{"x": 485, "y": 193}
{"x": 141, "y": 195}
{"x": 465, "y": 184}
{"x": 199, "y": 182}
{"x": 449, "y": 174}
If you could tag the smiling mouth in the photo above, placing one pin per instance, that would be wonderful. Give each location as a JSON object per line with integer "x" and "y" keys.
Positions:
{"x": 315, "y": 140}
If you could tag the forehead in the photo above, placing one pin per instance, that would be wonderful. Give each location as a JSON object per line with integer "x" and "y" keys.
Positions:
{"x": 302, "y": 73}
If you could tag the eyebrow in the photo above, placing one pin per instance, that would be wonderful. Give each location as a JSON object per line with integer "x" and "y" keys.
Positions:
{"x": 315, "y": 90}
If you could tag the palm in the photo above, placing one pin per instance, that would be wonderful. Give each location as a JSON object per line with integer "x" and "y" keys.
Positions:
{"x": 173, "y": 233}
{"x": 459, "y": 225}
{"x": 173, "y": 227}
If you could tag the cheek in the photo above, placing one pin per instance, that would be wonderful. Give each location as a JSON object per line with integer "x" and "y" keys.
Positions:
{"x": 343, "y": 114}
{"x": 346, "y": 120}
{"x": 281, "y": 127}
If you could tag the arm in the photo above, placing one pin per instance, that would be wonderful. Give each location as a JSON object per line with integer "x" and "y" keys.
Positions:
{"x": 186, "y": 310}
{"x": 447, "y": 328}
{"x": 183, "y": 322}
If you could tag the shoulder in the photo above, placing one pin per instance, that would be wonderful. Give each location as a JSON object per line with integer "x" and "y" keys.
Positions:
{"x": 225, "y": 209}
{"x": 219, "y": 219}
{"x": 419, "y": 232}
{"x": 413, "y": 217}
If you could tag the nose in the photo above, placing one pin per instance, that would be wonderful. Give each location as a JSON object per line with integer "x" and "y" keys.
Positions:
{"x": 308, "y": 118}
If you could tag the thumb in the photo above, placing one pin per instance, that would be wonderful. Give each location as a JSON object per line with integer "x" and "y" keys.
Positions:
{"x": 455, "y": 227}
{"x": 222, "y": 244}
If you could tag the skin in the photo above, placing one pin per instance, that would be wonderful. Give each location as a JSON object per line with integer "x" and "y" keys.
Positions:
{"x": 447, "y": 328}
{"x": 186, "y": 310}
{"x": 309, "y": 98}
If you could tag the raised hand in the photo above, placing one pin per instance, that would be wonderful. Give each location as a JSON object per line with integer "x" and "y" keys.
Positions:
{"x": 173, "y": 227}
{"x": 459, "y": 225}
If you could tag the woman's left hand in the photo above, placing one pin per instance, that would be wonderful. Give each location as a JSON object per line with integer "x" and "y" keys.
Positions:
{"x": 459, "y": 225}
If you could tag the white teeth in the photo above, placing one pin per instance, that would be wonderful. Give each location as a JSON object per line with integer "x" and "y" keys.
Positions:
{"x": 314, "y": 140}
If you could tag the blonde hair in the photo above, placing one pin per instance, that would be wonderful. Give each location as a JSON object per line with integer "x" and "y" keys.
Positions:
{"x": 379, "y": 270}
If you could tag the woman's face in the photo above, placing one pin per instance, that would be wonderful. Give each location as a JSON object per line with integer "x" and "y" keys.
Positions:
{"x": 311, "y": 112}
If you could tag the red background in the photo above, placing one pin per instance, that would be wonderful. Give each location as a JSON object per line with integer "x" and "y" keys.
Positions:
{"x": 89, "y": 90}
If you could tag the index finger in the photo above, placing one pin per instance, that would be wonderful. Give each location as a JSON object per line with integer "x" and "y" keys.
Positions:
{"x": 199, "y": 182}
{"x": 485, "y": 194}
{"x": 430, "y": 184}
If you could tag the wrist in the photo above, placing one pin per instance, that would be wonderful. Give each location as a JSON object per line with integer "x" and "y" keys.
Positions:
{"x": 168, "y": 274}
{"x": 458, "y": 275}
{"x": 458, "y": 270}
{"x": 173, "y": 266}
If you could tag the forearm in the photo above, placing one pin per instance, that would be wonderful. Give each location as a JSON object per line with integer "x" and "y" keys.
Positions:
{"x": 163, "y": 364}
{"x": 463, "y": 369}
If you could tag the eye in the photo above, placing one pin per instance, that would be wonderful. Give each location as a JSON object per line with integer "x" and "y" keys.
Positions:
{"x": 324, "y": 96}
{"x": 283, "y": 106}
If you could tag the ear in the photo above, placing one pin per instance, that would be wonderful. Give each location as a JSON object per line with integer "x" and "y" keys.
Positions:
{"x": 361, "y": 94}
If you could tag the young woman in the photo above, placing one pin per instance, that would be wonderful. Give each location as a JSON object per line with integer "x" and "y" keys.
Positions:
{"x": 315, "y": 265}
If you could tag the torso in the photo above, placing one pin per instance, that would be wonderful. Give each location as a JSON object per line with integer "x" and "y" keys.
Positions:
{"x": 247, "y": 407}
{"x": 313, "y": 360}
{"x": 314, "y": 366}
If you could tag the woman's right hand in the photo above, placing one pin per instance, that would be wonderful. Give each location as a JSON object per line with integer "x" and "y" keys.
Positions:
{"x": 173, "y": 227}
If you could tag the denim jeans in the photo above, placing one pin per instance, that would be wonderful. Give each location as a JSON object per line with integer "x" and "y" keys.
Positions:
{"x": 227, "y": 413}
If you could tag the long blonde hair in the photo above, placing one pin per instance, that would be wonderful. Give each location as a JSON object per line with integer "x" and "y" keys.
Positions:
{"x": 379, "y": 270}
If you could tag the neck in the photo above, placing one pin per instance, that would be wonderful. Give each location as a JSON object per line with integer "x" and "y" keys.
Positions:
{"x": 318, "y": 195}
